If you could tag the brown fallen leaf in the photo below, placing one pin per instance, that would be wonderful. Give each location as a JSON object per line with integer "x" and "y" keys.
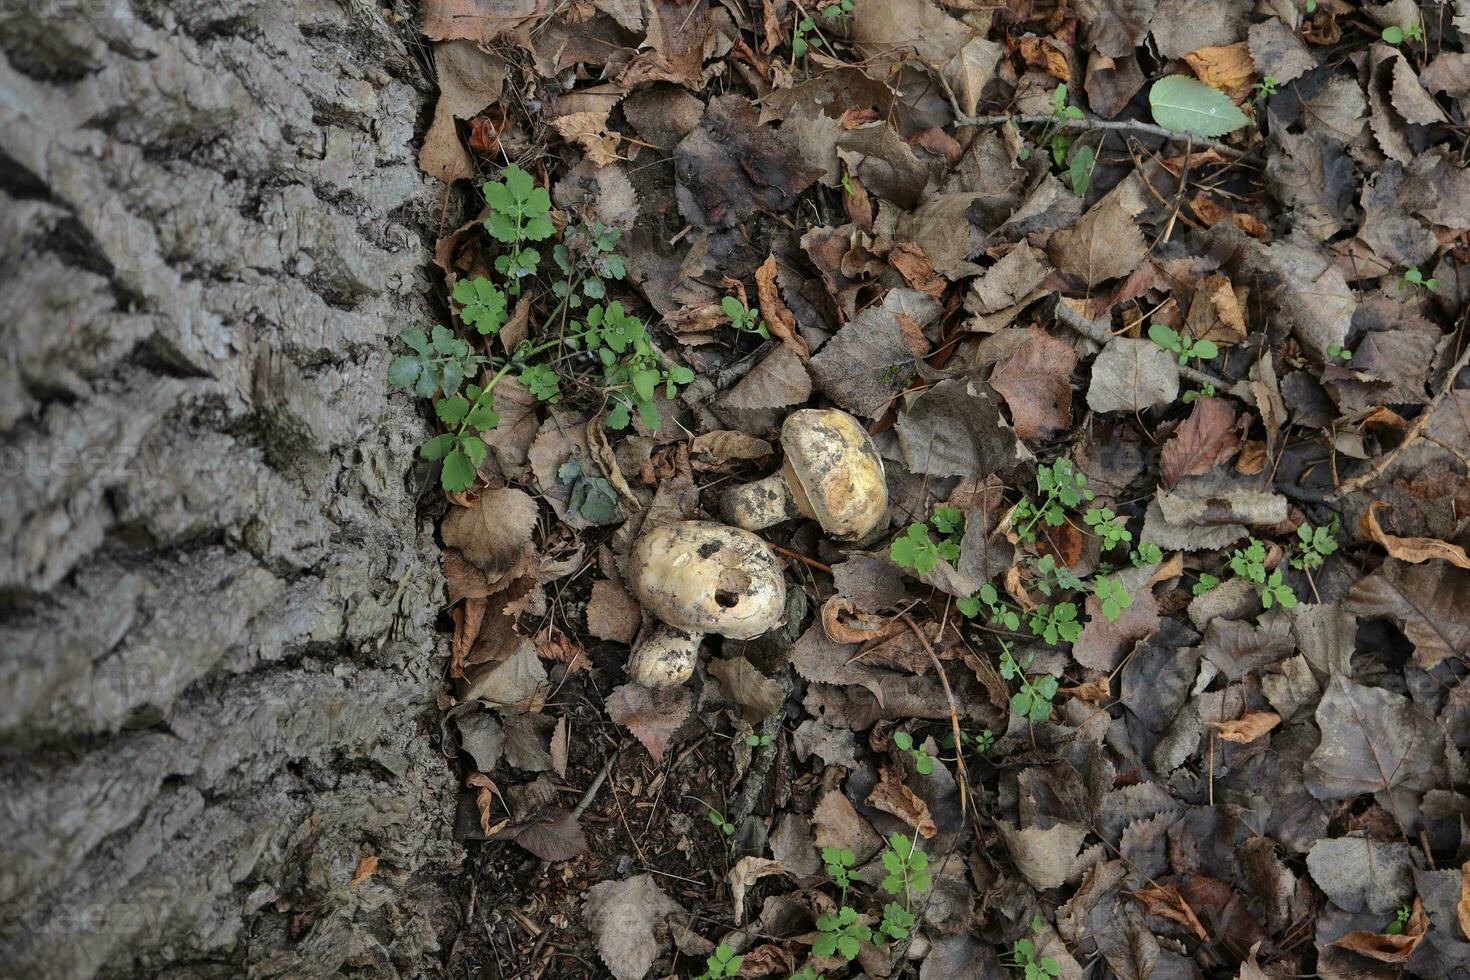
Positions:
{"x": 1248, "y": 727}
{"x": 1413, "y": 550}
{"x": 653, "y": 715}
{"x": 1227, "y": 67}
{"x": 1202, "y": 442}
{"x": 758, "y": 696}
{"x": 747, "y": 871}
{"x": 1389, "y": 947}
{"x": 1036, "y": 382}
{"x": 365, "y": 869}
{"x": 779, "y": 319}
{"x": 612, "y": 614}
{"x": 843, "y": 623}
{"x": 911, "y": 262}
{"x": 892, "y": 796}
{"x": 1167, "y": 902}
{"x": 1093, "y": 692}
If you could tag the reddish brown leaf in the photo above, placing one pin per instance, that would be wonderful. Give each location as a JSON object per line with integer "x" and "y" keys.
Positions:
{"x": 1202, "y": 442}
{"x": 612, "y": 614}
{"x": 779, "y": 319}
{"x": 365, "y": 869}
{"x": 892, "y": 796}
{"x": 1166, "y": 902}
{"x": 1036, "y": 382}
{"x": 1389, "y": 947}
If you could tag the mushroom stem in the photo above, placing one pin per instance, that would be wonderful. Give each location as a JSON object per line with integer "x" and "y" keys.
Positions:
{"x": 664, "y": 656}
{"x": 760, "y": 504}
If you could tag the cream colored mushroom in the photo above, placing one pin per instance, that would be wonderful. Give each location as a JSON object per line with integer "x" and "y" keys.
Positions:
{"x": 832, "y": 474}
{"x": 698, "y": 577}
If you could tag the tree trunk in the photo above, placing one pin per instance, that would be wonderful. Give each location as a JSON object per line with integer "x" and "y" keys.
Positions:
{"x": 217, "y": 596}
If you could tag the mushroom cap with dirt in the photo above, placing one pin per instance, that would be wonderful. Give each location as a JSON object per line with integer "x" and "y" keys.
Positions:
{"x": 832, "y": 474}
{"x": 698, "y": 577}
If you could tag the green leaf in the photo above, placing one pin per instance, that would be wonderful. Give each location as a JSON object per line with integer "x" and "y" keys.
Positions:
{"x": 733, "y": 308}
{"x": 1184, "y": 104}
{"x": 1393, "y": 34}
{"x": 451, "y": 410}
{"x": 1081, "y": 170}
{"x": 458, "y": 473}
{"x": 403, "y": 372}
{"x": 436, "y": 447}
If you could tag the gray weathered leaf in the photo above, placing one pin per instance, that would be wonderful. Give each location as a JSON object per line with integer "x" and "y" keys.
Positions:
{"x": 1132, "y": 375}
{"x": 1372, "y": 740}
{"x": 624, "y": 915}
{"x": 1362, "y": 875}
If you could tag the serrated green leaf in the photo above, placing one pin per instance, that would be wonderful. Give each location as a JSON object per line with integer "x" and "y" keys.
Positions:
{"x": 458, "y": 472}
{"x": 451, "y": 410}
{"x": 1184, "y": 104}
{"x": 436, "y": 447}
{"x": 403, "y": 372}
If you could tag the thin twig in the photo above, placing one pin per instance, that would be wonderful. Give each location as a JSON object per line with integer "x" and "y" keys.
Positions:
{"x": 1364, "y": 479}
{"x": 954, "y": 711}
{"x": 1095, "y": 331}
{"x": 1114, "y": 125}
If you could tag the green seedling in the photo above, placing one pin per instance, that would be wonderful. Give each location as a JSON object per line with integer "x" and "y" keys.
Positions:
{"x": 1400, "y": 920}
{"x": 757, "y": 740}
{"x": 718, "y": 819}
{"x": 841, "y": 934}
{"x": 837, "y": 9}
{"x": 519, "y": 213}
{"x": 1050, "y": 576}
{"x": 1393, "y": 34}
{"x": 1060, "y": 487}
{"x": 1147, "y": 553}
{"x": 1206, "y": 583}
{"x": 923, "y": 761}
{"x": 1033, "y": 700}
{"x": 1413, "y": 277}
{"x": 1264, "y": 89}
{"x": 905, "y": 865}
{"x": 980, "y": 742}
{"x": 801, "y": 38}
{"x": 1112, "y": 597}
{"x": 1108, "y": 526}
{"x": 745, "y": 320}
{"x": 1207, "y": 390}
{"x": 914, "y": 550}
{"x": 721, "y": 964}
{"x": 440, "y": 363}
{"x": 1183, "y": 347}
{"x": 481, "y": 304}
{"x": 1333, "y": 350}
{"x": 1316, "y": 544}
{"x": 1023, "y": 957}
{"x": 1249, "y": 563}
{"x": 1001, "y": 612}
{"x": 897, "y": 922}
{"x": 839, "y": 862}
{"x": 587, "y": 259}
{"x": 1056, "y": 624}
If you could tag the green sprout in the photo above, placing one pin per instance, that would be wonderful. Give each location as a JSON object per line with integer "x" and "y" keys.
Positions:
{"x": 923, "y": 761}
{"x": 1184, "y": 347}
{"x": 723, "y": 963}
{"x": 1413, "y": 277}
{"x": 1033, "y": 700}
{"x": 1316, "y": 544}
{"x": 745, "y": 320}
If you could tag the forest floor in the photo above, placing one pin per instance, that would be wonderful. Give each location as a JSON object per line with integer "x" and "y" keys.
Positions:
{"x": 1157, "y": 661}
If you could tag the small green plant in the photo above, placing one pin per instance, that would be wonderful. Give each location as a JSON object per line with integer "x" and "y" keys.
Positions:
{"x": 519, "y": 213}
{"x": 1033, "y": 700}
{"x": 1393, "y": 34}
{"x": 916, "y": 550}
{"x": 807, "y": 972}
{"x": 721, "y": 964}
{"x": 633, "y": 372}
{"x": 592, "y": 497}
{"x": 841, "y": 934}
{"x": 897, "y": 922}
{"x": 1206, "y": 583}
{"x": 1264, "y": 89}
{"x": 1001, "y": 612}
{"x": 745, "y": 320}
{"x": 1249, "y": 563}
{"x": 837, "y": 9}
{"x": 542, "y": 381}
{"x": 905, "y": 865}
{"x": 802, "y": 40}
{"x": 757, "y": 740}
{"x": 1060, "y": 487}
{"x": 846, "y": 184}
{"x": 1316, "y": 544}
{"x": 979, "y": 742}
{"x": 440, "y": 363}
{"x": 1311, "y": 6}
{"x": 1050, "y": 576}
{"x": 1056, "y": 624}
{"x": 1112, "y": 597}
{"x": 1023, "y": 957}
{"x": 481, "y": 304}
{"x": 587, "y": 259}
{"x": 1207, "y": 390}
{"x": 1413, "y": 277}
{"x": 1400, "y": 920}
{"x": 839, "y": 862}
{"x": 1333, "y": 350}
{"x": 1184, "y": 347}
{"x": 1147, "y": 553}
{"x": 923, "y": 761}
{"x": 718, "y": 819}
{"x": 1108, "y": 526}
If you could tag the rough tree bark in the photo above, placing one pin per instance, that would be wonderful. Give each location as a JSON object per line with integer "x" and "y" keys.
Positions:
{"x": 217, "y": 597}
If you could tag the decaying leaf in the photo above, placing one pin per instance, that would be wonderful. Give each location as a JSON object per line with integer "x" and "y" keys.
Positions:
{"x": 1036, "y": 382}
{"x": 1413, "y": 550}
{"x": 1430, "y": 603}
{"x": 1373, "y": 740}
{"x": 652, "y": 714}
{"x": 1043, "y": 857}
{"x": 1202, "y": 442}
{"x": 758, "y": 696}
{"x": 1132, "y": 375}
{"x": 1105, "y": 244}
{"x": 612, "y": 614}
{"x": 1248, "y": 727}
{"x": 891, "y": 796}
{"x": 625, "y": 916}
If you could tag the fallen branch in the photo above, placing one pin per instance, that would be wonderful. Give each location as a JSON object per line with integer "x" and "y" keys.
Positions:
{"x": 954, "y": 713}
{"x": 1108, "y": 125}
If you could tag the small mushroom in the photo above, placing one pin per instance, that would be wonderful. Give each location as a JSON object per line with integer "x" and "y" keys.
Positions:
{"x": 832, "y": 474}
{"x": 699, "y": 577}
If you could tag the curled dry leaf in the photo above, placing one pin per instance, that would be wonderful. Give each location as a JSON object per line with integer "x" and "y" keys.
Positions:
{"x": 780, "y": 320}
{"x": 845, "y": 624}
{"x": 1167, "y": 901}
{"x": 1389, "y": 947}
{"x": 1413, "y": 550}
{"x": 1248, "y": 727}
{"x": 891, "y": 796}
{"x": 759, "y": 696}
{"x": 747, "y": 871}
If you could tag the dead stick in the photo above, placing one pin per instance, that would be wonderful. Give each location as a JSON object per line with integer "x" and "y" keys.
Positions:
{"x": 954, "y": 711}
{"x": 1363, "y": 479}
{"x": 1113, "y": 125}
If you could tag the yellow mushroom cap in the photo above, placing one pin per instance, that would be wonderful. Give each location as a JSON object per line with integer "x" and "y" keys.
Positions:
{"x": 834, "y": 471}
{"x": 708, "y": 578}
